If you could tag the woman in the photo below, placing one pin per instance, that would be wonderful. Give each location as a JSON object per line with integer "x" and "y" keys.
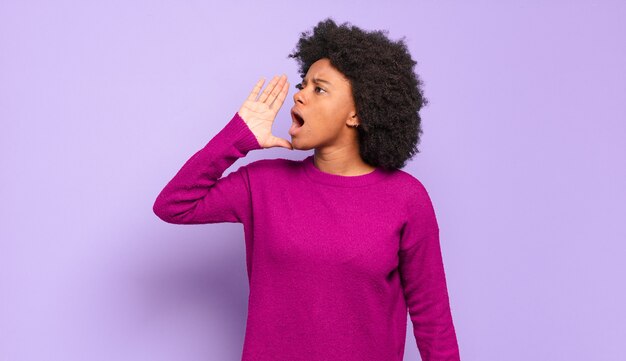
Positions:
{"x": 338, "y": 245}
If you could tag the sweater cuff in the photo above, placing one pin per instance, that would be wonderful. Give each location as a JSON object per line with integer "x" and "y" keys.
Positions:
{"x": 243, "y": 138}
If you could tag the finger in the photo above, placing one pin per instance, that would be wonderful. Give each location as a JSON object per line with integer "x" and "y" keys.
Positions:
{"x": 281, "y": 97}
{"x": 280, "y": 142}
{"x": 278, "y": 89}
{"x": 256, "y": 89}
{"x": 268, "y": 89}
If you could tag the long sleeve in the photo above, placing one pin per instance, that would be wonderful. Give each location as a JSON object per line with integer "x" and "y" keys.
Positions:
{"x": 424, "y": 285}
{"x": 199, "y": 194}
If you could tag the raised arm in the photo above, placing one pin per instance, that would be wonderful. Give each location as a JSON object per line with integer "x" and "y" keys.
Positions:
{"x": 198, "y": 193}
{"x": 424, "y": 284}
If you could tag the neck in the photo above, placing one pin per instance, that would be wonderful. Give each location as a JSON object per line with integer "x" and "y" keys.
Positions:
{"x": 341, "y": 162}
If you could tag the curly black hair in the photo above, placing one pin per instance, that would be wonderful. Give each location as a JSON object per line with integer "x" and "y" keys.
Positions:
{"x": 387, "y": 92}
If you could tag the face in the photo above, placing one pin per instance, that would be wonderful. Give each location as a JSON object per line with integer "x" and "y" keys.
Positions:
{"x": 326, "y": 105}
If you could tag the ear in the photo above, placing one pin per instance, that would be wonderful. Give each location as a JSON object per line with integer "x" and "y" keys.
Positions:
{"x": 353, "y": 120}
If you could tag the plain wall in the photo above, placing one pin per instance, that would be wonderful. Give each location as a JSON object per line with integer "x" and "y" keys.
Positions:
{"x": 102, "y": 102}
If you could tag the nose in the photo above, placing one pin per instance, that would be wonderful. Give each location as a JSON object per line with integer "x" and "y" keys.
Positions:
{"x": 298, "y": 98}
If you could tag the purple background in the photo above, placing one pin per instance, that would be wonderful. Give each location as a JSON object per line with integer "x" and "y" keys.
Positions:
{"x": 101, "y": 103}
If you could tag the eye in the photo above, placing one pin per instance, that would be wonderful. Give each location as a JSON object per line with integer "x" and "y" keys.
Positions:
{"x": 300, "y": 86}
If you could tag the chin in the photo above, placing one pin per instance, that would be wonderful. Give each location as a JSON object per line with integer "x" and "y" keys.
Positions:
{"x": 296, "y": 145}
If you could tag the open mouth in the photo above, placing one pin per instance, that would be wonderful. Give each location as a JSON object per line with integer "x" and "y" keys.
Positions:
{"x": 296, "y": 123}
{"x": 298, "y": 119}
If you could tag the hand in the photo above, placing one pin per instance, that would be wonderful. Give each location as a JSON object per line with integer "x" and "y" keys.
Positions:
{"x": 259, "y": 114}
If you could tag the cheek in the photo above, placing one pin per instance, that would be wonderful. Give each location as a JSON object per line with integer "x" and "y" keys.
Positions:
{"x": 330, "y": 126}
{"x": 329, "y": 118}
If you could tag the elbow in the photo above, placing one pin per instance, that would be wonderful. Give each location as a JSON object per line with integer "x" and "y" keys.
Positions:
{"x": 157, "y": 209}
{"x": 160, "y": 209}
{"x": 170, "y": 212}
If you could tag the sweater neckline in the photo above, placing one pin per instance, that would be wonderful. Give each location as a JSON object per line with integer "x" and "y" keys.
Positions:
{"x": 318, "y": 176}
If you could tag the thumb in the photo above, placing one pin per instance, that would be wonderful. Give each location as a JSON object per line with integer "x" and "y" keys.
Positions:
{"x": 280, "y": 142}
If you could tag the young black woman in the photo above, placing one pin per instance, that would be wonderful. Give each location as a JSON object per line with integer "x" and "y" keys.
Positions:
{"x": 341, "y": 244}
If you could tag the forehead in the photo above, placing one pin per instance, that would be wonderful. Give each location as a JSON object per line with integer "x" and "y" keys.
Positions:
{"x": 323, "y": 69}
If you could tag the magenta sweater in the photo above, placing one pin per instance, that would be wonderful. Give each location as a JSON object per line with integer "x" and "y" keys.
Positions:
{"x": 334, "y": 262}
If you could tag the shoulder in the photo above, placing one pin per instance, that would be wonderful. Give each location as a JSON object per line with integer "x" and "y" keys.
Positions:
{"x": 273, "y": 166}
{"x": 416, "y": 201}
{"x": 410, "y": 187}
{"x": 273, "y": 163}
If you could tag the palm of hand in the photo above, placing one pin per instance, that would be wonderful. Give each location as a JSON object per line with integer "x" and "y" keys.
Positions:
{"x": 259, "y": 114}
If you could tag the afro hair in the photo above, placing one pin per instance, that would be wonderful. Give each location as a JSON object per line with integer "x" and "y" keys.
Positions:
{"x": 387, "y": 92}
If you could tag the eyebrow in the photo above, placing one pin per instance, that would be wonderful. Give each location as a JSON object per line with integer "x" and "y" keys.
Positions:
{"x": 318, "y": 80}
